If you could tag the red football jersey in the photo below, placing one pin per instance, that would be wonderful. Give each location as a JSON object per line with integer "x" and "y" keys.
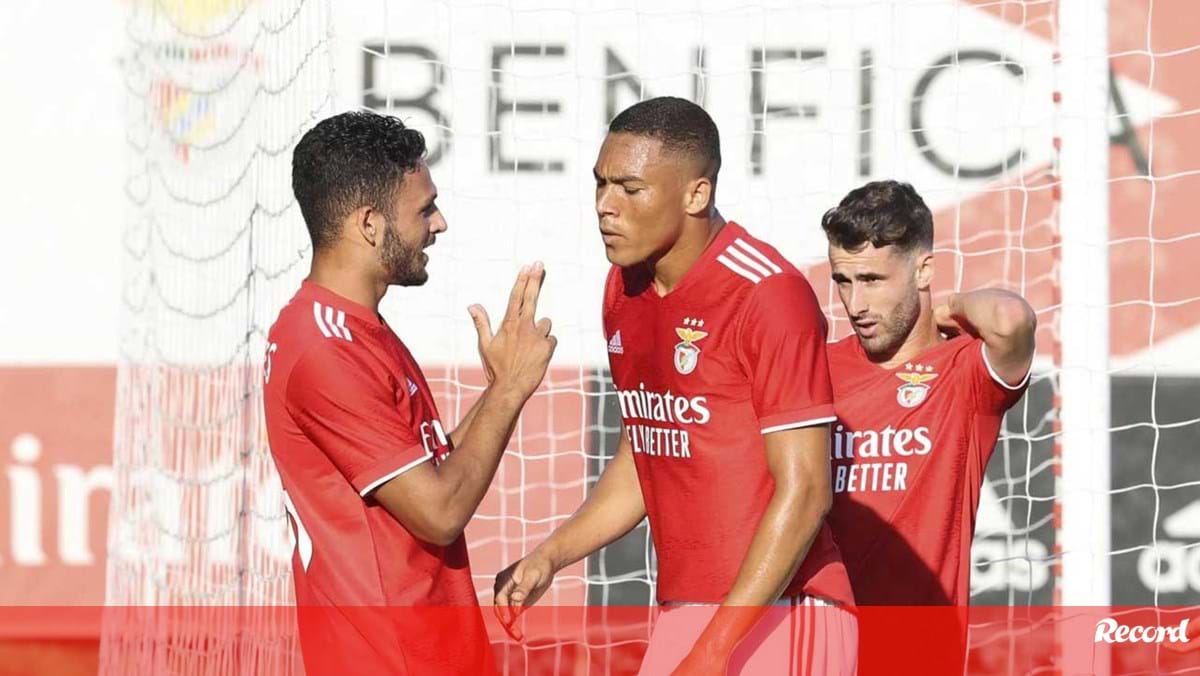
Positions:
{"x": 735, "y": 351}
{"x": 909, "y": 452}
{"x": 347, "y": 409}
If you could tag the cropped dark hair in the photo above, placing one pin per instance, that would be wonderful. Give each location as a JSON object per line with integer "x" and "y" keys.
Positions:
{"x": 679, "y": 124}
{"x": 882, "y": 213}
{"x": 348, "y": 161}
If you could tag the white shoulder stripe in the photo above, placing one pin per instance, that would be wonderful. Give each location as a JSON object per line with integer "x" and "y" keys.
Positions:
{"x": 748, "y": 261}
{"x": 757, "y": 254}
{"x": 724, "y": 260}
{"x": 320, "y": 322}
{"x": 330, "y": 323}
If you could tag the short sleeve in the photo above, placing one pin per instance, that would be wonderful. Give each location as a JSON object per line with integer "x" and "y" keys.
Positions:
{"x": 995, "y": 396}
{"x": 782, "y": 341}
{"x": 354, "y": 414}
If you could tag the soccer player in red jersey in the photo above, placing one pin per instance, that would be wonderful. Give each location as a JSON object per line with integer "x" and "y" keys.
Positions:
{"x": 920, "y": 394}
{"x": 378, "y": 492}
{"x": 717, "y": 349}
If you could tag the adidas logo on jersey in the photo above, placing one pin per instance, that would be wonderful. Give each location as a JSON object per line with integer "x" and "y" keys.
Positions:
{"x": 614, "y": 344}
{"x": 332, "y": 323}
{"x": 412, "y": 387}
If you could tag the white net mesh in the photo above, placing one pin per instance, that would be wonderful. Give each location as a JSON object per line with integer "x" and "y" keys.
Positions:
{"x": 812, "y": 100}
{"x": 218, "y": 94}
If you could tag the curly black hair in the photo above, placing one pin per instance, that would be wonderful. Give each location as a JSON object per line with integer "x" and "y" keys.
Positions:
{"x": 348, "y": 161}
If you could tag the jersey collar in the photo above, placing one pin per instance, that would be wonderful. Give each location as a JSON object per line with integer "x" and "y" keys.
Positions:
{"x": 729, "y": 232}
{"x": 928, "y": 354}
{"x": 313, "y": 291}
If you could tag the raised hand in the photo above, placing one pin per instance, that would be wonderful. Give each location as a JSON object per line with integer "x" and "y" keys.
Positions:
{"x": 516, "y": 356}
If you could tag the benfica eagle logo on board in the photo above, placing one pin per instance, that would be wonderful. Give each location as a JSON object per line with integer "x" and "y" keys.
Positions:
{"x": 914, "y": 390}
{"x": 687, "y": 353}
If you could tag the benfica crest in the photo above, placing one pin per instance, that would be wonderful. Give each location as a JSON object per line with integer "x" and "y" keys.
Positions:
{"x": 914, "y": 390}
{"x": 687, "y": 354}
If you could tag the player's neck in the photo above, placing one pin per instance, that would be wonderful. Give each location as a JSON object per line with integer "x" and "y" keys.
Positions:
{"x": 923, "y": 336}
{"x": 347, "y": 281}
{"x": 674, "y": 265}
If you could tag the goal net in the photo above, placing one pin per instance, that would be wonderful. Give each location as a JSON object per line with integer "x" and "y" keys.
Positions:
{"x": 968, "y": 100}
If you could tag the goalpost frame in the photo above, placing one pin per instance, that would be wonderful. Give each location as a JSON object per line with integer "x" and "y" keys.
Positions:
{"x": 1084, "y": 536}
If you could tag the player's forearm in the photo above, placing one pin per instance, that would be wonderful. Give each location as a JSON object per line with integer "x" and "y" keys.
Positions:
{"x": 613, "y": 508}
{"x": 466, "y": 473}
{"x": 460, "y": 432}
{"x": 784, "y": 535}
{"x": 998, "y": 316}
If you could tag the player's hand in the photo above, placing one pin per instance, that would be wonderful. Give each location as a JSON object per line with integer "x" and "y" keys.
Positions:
{"x": 518, "y": 587}
{"x": 947, "y": 322}
{"x": 517, "y": 355}
{"x": 701, "y": 661}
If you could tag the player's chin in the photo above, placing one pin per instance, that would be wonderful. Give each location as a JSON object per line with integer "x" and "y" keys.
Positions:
{"x": 413, "y": 278}
{"x": 873, "y": 344}
{"x": 620, "y": 256}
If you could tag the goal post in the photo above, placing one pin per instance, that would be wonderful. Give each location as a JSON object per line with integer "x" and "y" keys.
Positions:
{"x": 1084, "y": 383}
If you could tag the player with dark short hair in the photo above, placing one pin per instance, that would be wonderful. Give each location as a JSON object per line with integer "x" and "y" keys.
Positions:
{"x": 378, "y": 492}
{"x": 717, "y": 350}
{"x": 920, "y": 394}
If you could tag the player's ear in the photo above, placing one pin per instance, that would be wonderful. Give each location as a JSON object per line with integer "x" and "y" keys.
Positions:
{"x": 698, "y": 197}
{"x": 368, "y": 225}
{"x": 924, "y": 269}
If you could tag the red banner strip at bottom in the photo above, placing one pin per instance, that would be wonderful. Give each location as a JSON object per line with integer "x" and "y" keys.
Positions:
{"x": 609, "y": 640}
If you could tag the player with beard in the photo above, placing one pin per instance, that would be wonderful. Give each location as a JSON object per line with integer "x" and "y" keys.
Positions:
{"x": 377, "y": 491}
{"x": 920, "y": 394}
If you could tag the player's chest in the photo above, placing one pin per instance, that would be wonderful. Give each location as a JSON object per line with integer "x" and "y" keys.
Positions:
{"x": 898, "y": 428}
{"x": 415, "y": 399}
{"x": 918, "y": 393}
{"x": 683, "y": 348}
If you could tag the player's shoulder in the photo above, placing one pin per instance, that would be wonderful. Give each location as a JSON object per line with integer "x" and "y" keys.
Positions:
{"x": 748, "y": 262}
{"x": 961, "y": 350}
{"x": 320, "y": 330}
{"x": 317, "y": 315}
{"x": 753, "y": 269}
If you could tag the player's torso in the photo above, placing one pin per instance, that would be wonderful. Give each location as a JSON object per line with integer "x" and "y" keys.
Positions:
{"x": 902, "y": 453}
{"x": 350, "y": 549}
{"x": 683, "y": 392}
{"x": 376, "y": 348}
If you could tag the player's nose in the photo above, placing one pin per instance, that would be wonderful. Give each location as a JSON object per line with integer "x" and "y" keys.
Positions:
{"x": 858, "y": 302}
{"x": 605, "y": 204}
{"x": 438, "y": 223}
